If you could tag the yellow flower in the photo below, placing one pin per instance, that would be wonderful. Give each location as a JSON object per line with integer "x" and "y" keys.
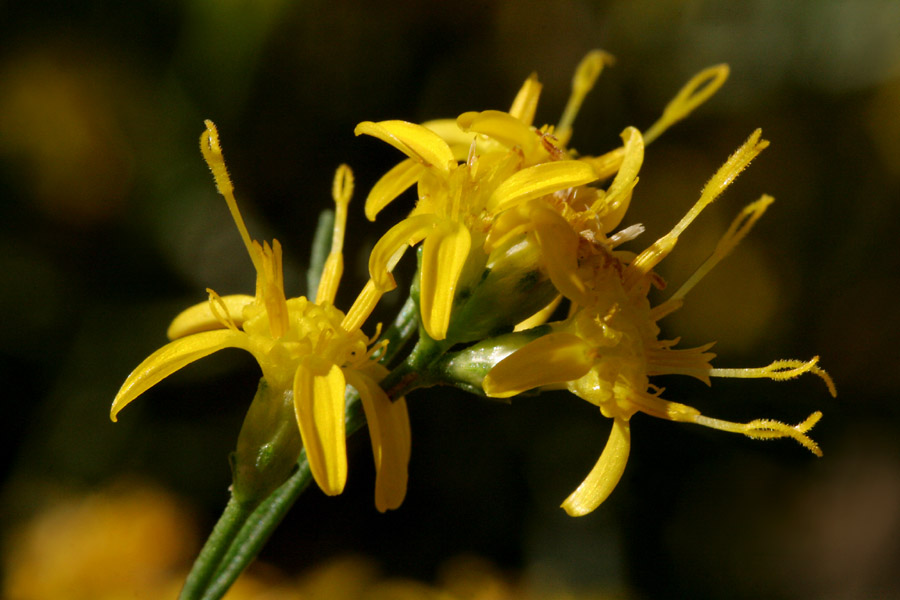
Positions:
{"x": 481, "y": 182}
{"x": 456, "y": 207}
{"x": 609, "y": 347}
{"x": 306, "y": 351}
{"x": 125, "y": 541}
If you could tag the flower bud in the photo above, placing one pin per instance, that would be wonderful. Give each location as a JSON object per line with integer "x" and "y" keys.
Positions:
{"x": 268, "y": 445}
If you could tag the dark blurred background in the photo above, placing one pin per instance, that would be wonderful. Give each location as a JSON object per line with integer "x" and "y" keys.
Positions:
{"x": 110, "y": 224}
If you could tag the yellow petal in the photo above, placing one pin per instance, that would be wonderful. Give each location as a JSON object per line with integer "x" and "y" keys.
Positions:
{"x": 443, "y": 255}
{"x": 319, "y": 406}
{"x": 540, "y": 317}
{"x": 503, "y": 127}
{"x": 553, "y": 358}
{"x": 170, "y": 358}
{"x": 606, "y": 165}
{"x": 412, "y": 140}
{"x": 459, "y": 141}
{"x": 507, "y": 227}
{"x": 392, "y": 184}
{"x": 391, "y": 441}
{"x": 201, "y": 317}
{"x": 618, "y": 196}
{"x": 390, "y": 248}
{"x": 559, "y": 249}
{"x": 538, "y": 181}
{"x": 603, "y": 478}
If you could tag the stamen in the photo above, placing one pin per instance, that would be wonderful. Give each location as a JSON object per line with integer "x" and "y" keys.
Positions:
{"x": 726, "y": 174}
{"x": 724, "y": 177}
{"x": 661, "y": 311}
{"x": 767, "y": 429}
{"x": 362, "y": 307}
{"x": 341, "y": 191}
{"x": 780, "y": 370}
{"x": 220, "y": 311}
{"x": 376, "y": 335}
{"x": 525, "y": 104}
{"x": 472, "y": 157}
{"x": 697, "y": 91}
{"x": 377, "y": 348}
{"x": 322, "y": 342}
{"x": 693, "y": 362}
{"x": 270, "y": 287}
{"x": 212, "y": 154}
{"x": 680, "y": 107}
{"x": 626, "y": 235}
{"x": 586, "y": 75}
{"x": 650, "y": 403}
{"x": 739, "y": 228}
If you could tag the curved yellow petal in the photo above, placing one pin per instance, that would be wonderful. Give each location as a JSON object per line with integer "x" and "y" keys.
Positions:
{"x": 508, "y": 226}
{"x": 390, "y": 248}
{"x": 618, "y": 196}
{"x": 540, "y": 317}
{"x": 501, "y": 126}
{"x": 459, "y": 141}
{"x": 443, "y": 255}
{"x": 413, "y": 140}
{"x": 319, "y": 406}
{"x": 392, "y": 184}
{"x": 201, "y": 317}
{"x": 606, "y": 165}
{"x": 391, "y": 441}
{"x": 170, "y": 358}
{"x": 559, "y": 249}
{"x": 540, "y": 180}
{"x": 602, "y": 479}
{"x": 553, "y": 358}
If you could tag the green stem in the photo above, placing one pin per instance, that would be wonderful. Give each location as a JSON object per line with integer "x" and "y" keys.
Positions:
{"x": 415, "y": 371}
{"x": 400, "y": 331}
{"x": 229, "y": 526}
{"x": 256, "y": 531}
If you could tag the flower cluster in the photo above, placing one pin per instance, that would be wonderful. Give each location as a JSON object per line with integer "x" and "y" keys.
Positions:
{"x": 521, "y": 285}
{"x": 308, "y": 354}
